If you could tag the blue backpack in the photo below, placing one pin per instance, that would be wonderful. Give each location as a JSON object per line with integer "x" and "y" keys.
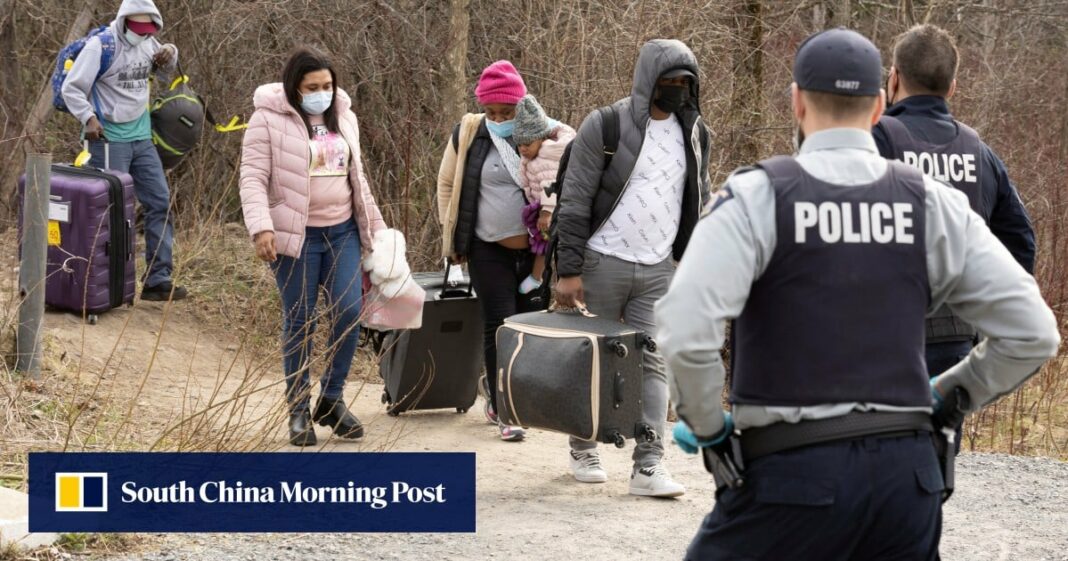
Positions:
{"x": 65, "y": 60}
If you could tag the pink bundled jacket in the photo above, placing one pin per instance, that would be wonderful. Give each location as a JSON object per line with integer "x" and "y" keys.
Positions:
{"x": 275, "y": 185}
{"x": 539, "y": 173}
{"x": 275, "y": 157}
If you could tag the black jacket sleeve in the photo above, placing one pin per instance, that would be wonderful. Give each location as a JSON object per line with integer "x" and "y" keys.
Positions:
{"x": 581, "y": 182}
{"x": 1008, "y": 218}
{"x": 882, "y": 142}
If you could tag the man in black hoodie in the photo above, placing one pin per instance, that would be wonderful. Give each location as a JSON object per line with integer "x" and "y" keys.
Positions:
{"x": 622, "y": 227}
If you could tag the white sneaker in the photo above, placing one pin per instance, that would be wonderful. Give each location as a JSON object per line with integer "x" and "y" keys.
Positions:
{"x": 586, "y": 466}
{"x": 654, "y": 481}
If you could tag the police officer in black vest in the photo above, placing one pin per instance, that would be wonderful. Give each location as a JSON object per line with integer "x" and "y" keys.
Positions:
{"x": 828, "y": 263}
{"x": 919, "y": 130}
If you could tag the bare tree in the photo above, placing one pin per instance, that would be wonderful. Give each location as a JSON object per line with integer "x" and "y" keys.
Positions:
{"x": 9, "y": 62}
{"x": 42, "y": 109}
{"x": 841, "y": 13}
{"x": 747, "y": 100}
{"x": 455, "y": 71}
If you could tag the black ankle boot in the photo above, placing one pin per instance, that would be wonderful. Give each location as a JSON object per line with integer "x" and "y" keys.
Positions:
{"x": 301, "y": 431}
{"x": 334, "y": 414}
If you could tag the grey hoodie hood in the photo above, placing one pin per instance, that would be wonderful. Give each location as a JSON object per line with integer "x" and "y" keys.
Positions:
{"x": 657, "y": 57}
{"x": 121, "y": 94}
{"x": 132, "y": 8}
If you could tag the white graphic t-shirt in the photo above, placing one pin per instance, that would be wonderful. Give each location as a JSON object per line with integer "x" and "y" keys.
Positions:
{"x": 329, "y": 152}
{"x": 330, "y": 199}
{"x": 643, "y": 226}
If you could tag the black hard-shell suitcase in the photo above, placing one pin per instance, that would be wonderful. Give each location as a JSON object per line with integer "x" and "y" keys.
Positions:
{"x": 572, "y": 373}
{"x": 436, "y": 366}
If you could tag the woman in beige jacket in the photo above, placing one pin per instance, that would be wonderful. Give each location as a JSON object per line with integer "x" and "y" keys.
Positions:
{"x": 480, "y": 205}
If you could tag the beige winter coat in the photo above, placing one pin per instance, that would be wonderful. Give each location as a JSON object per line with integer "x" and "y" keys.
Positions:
{"x": 451, "y": 180}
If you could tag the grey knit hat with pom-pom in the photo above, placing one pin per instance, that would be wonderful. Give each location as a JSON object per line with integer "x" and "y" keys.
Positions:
{"x": 531, "y": 123}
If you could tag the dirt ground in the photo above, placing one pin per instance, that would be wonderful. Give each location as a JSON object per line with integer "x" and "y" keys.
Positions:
{"x": 529, "y": 507}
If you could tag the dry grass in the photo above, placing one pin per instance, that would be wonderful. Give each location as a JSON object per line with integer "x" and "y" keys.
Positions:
{"x": 225, "y": 387}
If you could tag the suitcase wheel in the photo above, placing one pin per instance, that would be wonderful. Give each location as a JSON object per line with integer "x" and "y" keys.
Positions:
{"x": 649, "y": 343}
{"x": 618, "y": 439}
{"x": 619, "y": 348}
{"x": 385, "y": 396}
{"x": 461, "y": 410}
{"x": 392, "y": 412}
{"x": 92, "y": 319}
{"x": 646, "y": 432}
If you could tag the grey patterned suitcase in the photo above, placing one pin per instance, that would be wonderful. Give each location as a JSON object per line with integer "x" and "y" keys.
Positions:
{"x": 572, "y": 373}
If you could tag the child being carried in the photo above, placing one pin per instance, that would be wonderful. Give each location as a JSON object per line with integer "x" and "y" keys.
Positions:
{"x": 541, "y": 143}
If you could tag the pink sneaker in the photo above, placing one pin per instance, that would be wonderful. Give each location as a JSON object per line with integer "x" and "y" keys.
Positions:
{"x": 510, "y": 433}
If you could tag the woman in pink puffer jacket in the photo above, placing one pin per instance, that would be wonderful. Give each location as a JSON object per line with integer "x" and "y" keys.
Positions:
{"x": 309, "y": 210}
{"x": 541, "y": 143}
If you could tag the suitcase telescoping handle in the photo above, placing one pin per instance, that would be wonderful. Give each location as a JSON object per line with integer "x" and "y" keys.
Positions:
{"x": 107, "y": 152}
{"x": 446, "y": 288}
{"x": 129, "y": 240}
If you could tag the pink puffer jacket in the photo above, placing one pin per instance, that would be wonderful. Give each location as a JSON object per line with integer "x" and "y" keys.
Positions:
{"x": 275, "y": 180}
{"x": 539, "y": 173}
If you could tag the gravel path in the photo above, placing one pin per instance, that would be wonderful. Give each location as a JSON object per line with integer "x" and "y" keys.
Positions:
{"x": 530, "y": 508}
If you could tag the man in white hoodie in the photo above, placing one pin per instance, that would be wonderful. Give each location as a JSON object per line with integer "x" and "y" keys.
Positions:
{"x": 113, "y": 107}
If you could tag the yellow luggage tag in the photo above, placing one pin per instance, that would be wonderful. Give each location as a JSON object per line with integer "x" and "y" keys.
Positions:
{"x": 82, "y": 159}
{"x": 53, "y": 233}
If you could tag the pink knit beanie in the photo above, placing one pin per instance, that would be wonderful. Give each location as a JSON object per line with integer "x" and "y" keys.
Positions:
{"x": 500, "y": 83}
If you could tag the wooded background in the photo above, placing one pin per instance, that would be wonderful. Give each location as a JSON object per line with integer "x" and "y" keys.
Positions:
{"x": 411, "y": 67}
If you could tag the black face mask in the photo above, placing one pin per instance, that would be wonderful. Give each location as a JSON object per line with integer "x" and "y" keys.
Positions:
{"x": 672, "y": 98}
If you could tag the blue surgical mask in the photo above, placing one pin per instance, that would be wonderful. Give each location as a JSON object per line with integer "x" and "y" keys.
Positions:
{"x": 316, "y": 103}
{"x": 503, "y": 130}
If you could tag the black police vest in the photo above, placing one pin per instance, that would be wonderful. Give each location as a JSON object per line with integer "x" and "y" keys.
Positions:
{"x": 960, "y": 164}
{"x": 838, "y": 314}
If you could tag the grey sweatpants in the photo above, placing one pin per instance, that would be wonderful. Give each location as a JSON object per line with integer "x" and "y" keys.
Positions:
{"x": 619, "y": 289}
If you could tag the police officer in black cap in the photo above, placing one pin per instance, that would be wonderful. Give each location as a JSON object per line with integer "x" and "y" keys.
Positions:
{"x": 828, "y": 263}
{"x": 919, "y": 130}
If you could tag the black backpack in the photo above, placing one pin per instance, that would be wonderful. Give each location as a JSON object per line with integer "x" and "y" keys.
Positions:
{"x": 610, "y": 143}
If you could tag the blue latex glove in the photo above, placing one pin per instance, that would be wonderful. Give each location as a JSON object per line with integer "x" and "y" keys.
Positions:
{"x": 688, "y": 442}
{"x": 936, "y": 397}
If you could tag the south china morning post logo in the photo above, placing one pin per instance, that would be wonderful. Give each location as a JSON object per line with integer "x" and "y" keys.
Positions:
{"x": 252, "y": 492}
{"x": 238, "y": 492}
{"x": 81, "y": 492}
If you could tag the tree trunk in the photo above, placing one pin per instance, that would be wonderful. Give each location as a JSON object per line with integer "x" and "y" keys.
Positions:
{"x": 989, "y": 31}
{"x": 455, "y": 71}
{"x": 819, "y": 16}
{"x": 38, "y": 116}
{"x": 747, "y": 100}
{"x": 841, "y": 13}
{"x": 9, "y": 63}
{"x": 907, "y": 16}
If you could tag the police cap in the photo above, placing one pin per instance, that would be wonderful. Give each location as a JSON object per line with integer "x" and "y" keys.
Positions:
{"x": 839, "y": 61}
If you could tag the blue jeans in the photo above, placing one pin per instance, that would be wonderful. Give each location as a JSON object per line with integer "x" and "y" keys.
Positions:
{"x": 329, "y": 259}
{"x": 141, "y": 161}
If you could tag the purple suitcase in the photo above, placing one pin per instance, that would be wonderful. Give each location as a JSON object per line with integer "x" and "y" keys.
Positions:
{"x": 92, "y": 268}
